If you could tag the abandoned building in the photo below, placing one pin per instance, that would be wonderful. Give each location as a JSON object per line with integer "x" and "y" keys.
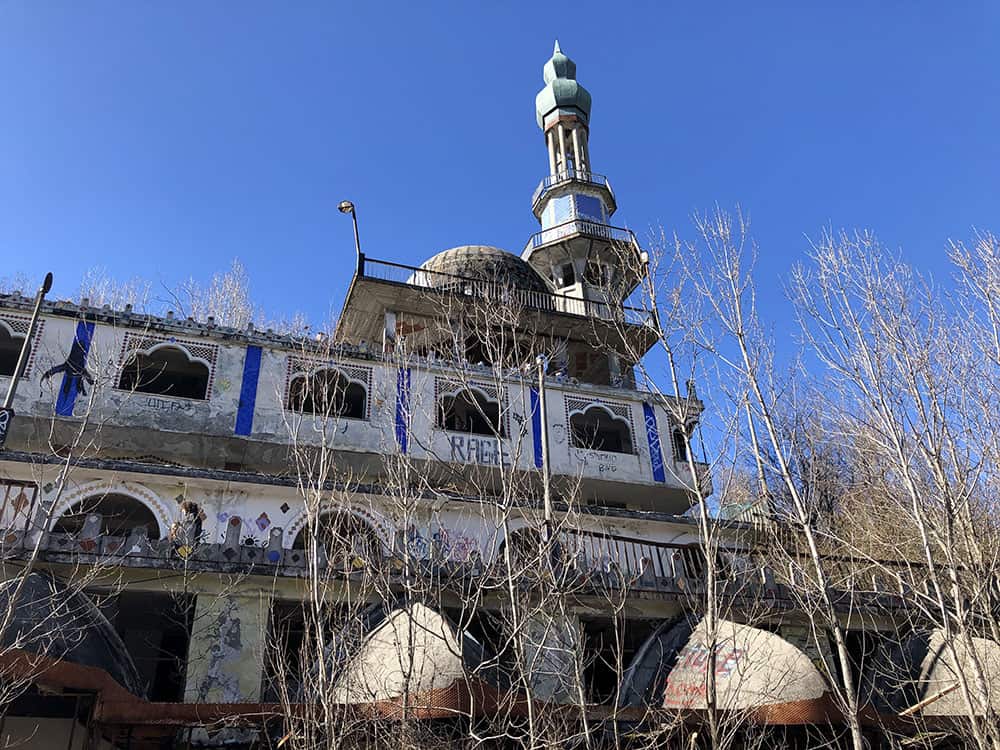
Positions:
{"x": 173, "y": 492}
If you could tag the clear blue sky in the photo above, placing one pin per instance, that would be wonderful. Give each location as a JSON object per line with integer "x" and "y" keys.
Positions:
{"x": 161, "y": 139}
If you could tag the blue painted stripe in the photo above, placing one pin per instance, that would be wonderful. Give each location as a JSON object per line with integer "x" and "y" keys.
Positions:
{"x": 653, "y": 434}
{"x": 248, "y": 391}
{"x": 403, "y": 408}
{"x": 70, "y": 387}
{"x": 536, "y": 427}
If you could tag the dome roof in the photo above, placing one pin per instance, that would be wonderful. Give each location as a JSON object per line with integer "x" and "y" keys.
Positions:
{"x": 482, "y": 263}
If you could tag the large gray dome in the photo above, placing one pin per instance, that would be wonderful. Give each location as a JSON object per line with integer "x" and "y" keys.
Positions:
{"x": 481, "y": 263}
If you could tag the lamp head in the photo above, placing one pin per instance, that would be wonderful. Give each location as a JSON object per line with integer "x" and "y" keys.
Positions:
{"x": 346, "y": 207}
{"x": 47, "y": 283}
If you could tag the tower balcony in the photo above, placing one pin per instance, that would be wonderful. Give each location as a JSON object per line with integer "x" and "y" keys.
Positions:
{"x": 584, "y": 228}
{"x": 553, "y": 181}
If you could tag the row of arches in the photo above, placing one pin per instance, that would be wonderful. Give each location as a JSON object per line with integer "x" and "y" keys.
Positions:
{"x": 168, "y": 370}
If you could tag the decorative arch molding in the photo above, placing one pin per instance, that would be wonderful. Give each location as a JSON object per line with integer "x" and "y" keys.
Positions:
{"x": 382, "y": 527}
{"x": 198, "y": 352}
{"x": 161, "y": 510}
{"x": 178, "y": 345}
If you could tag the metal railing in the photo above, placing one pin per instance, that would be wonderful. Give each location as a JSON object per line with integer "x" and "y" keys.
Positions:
{"x": 585, "y": 227}
{"x": 559, "y": 178}
{"x": 498, "y": 291}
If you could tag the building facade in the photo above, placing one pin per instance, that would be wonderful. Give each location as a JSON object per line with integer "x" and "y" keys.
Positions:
{"x": 459, "y": 507}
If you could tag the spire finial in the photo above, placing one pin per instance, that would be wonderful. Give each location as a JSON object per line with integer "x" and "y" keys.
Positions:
{"x": 556, "y": 50}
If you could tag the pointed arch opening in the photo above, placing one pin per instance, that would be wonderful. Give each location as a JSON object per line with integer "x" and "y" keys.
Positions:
{"x": 470, "y": 410}
{"x": 349, "y": 542}
{"x": 165, "y": 371}
{"x": 119, "y": 513}
{"x": 327, "y": 392}
{"x": 598, "y": 429}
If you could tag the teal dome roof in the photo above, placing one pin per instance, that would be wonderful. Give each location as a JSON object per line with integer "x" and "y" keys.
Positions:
{"x": 561, "y": 89}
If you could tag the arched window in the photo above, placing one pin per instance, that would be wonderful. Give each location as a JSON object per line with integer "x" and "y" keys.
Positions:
{"x": 119, "y": 515}
{"x": 597, "y": 429}
{"x": 470, "y": 410}
{"x": 680, "y": 445}
{"x": 349, "y": 542}
{"x": 10, "y": 350}
{"x": 327, "y": 393}
{"x": 165, "y": 371}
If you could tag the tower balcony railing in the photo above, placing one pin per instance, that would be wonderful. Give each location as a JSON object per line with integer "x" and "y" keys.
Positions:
{"x": 552, "y": 180}
{"x": 584, "y": 227}
{"x": 498, "y": 291}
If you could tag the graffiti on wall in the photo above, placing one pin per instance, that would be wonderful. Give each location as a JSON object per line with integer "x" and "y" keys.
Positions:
{"x": 477, "y": 450}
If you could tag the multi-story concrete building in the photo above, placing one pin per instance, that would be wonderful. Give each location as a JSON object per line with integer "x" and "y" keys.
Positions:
{"x": 165, "y": 482}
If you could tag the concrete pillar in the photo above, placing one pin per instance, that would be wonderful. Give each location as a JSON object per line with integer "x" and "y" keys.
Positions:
{"x": 225, "y": 657}
{"x": 389, "y": 331}
{"x": 551, "y": 651}
{"x": 562, "y": 147}
{"x": 550, "y": 143}
{"x": 577, "y": 153}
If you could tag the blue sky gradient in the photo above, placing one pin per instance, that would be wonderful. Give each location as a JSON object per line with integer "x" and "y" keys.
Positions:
{"x": 163, "y": 139}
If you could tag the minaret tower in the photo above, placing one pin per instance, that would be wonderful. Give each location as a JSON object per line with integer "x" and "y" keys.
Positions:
{"x": 582, "y": 254}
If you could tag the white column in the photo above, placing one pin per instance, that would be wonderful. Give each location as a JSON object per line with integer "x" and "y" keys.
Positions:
{"x": 551, "y": 145}
{"x": 585, "y": 149}
{"x": 562, "y": 147}
{"x": 578, "y": 162}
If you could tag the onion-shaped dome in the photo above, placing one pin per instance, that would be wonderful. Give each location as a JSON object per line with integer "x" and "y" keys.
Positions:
{"x": 561, "y": 89}
{"x": 478, "y": 263}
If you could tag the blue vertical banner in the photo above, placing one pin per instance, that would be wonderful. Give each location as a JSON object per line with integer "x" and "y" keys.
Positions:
{"x": 536, "y": 426}
{"x": 403, "y": 408}
{"x": 248, "y": 391}
{"x": 653, "y": 435}
{"x": 74, "y": 370}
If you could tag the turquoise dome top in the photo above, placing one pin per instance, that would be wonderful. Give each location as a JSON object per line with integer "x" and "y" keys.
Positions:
{"x": 561, "y": 89}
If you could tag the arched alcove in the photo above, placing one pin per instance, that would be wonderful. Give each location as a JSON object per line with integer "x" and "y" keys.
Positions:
{"x": 10, "y": 350}
{"x": 327, "y": 392}
{"x": 598, "y": 429}
{"x": 119, "y": 515}
{"x": 348, "y": 540}
{"x": 470, "y": 410}
{"x": 165, "y": 371}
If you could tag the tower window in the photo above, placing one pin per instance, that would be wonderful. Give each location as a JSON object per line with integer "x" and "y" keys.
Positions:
{"x": 470, "y": 410}
{"x": 165, "y": 371}
{"x": 10, "y": 350}
{"x": 568, "y": 274}
{"x": 597, "y": 429}
{"x": 680, "y": 445}
{"x": 329, "y": 393}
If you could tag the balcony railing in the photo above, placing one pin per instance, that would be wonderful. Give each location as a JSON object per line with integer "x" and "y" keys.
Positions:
{"x": 570, "y": 175}
{"x": 497, "y": 292}
{"x": 582, "y": 226}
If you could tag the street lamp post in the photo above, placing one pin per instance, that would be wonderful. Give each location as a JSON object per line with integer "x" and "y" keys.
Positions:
{"x": 7, "y": 410}
{"x": 346, "y": 207}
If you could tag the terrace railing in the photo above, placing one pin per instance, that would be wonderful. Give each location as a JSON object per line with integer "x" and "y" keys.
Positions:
{"x": 559, "y": 178}
{"x": 584, "y": 227}
{"x": 497, "y": 291}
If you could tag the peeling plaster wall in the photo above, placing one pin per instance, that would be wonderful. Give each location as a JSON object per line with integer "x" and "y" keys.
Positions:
{"x": 225, "y": 658}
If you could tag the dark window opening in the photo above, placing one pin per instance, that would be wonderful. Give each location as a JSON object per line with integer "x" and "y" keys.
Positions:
{"x": 596, "y": 429}
{"x": 347, "y": 541}
{"x": 609, "y": 645}
{"x": 328, "y": 393}
{"x": 167, "y": 371}
{"x": 568, "y": 275}
{"x": 156, "y": 629}
{"x": 298, "y": 633}
{"x": 119, "y": 515}
{"x": 470, "y": 411}
{"x": 680, "y": 445}
{"x": 10, "y": 350}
